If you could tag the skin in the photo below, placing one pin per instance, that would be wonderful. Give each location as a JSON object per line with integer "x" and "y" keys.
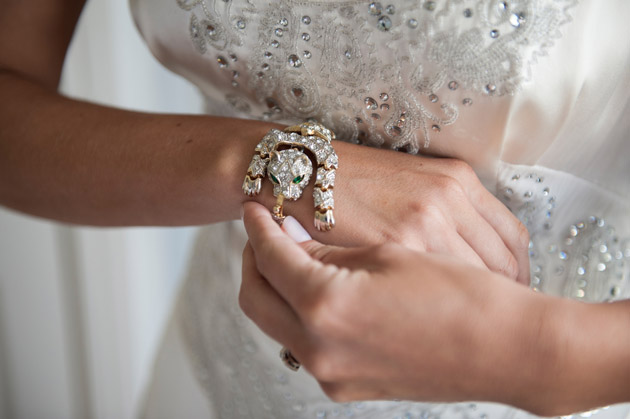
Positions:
{"x": 437, "y": 329}
{"x": 82, "y": 163}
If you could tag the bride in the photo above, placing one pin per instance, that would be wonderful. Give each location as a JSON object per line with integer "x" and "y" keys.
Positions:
{"x": 523, "y": 100}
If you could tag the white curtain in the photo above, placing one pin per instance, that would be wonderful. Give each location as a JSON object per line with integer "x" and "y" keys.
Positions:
{"x": 82, "y": 309}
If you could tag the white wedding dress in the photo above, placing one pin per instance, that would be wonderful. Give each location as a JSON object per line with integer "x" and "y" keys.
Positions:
{"x": 532, "y": 93}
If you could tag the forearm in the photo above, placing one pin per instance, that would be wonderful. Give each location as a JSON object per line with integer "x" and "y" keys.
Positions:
{"x": 563, "y": 356}
{"x": 594, "y": 362}
{"x": 82, "y": 163}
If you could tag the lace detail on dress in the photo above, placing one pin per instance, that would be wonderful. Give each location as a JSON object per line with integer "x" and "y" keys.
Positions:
{"x": 326, "y": 60}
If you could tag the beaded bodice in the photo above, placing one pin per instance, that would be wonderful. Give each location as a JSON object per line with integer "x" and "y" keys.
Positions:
{"x": 534, "y": 94}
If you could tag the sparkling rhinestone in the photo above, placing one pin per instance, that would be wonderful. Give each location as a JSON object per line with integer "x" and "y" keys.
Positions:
{"x": 509, "y": 191}
{"x": 579, "y": 293}
{"x": 546, "y": 191}
{"x": 453, "y": 85}
{"x": 307, "y": 54}
{"x": 384, "y": 107}
{"x": 233, "y": 57}
{"x": 275, "y": 43}
{"x": 516, "y": 177}
{"x": 222, "y": 61}
{"x": 573, "y": 231}
{"x": 284, "y": 21}
{"x": 306, "y": 20}
{"x": 468, "y": 13}
{"x": 375, "y": 8}
{"x": 306, "y": 37}
{"x": 268, "y": 54}
{"x": 528, "y": 194}
{"x": 563, "y": 255}
{"x": 490, "y": 88}
{"x": 503, "y": 5}
{"x": 390, "y": 9}
{"x": 436, "y": 128}
{"x": 375, "y": 116}
{"x": 412, "y": 23}
{"x": 210, "y": 30}
{"x": 607, "y": 257}
{"x": 581, "y": 271}
{"x": 603, "y": 248}
{"x": 260, "y": 74}
{"x": 240, "y": 24}
{"x": 384, "y": 23}
{"x": 429, "y": 5}
{"x": 234, "y": 83}
{"x": 494, "y": 33}
{"x": 235, "y": 74}
{"x": 370, "y": 104}
{"x": 614, "y": 291}
{"x": 265, "y": 66}
{"x": 347, "y": 54}
{"x": 467, "y": 101}
{"x": 395, "y": 131}
{"x": 297, "y": 92}
{"x": 278, "y": 32}
{"x": 433, "y": 98}
{"x": 384, "y": 97}
{"x": 601, "y": 267}
{"x": 514, "y": 20}
{"x": 358, "y": 120}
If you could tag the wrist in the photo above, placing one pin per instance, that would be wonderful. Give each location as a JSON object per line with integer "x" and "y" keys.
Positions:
{"x": 593, "y": 362}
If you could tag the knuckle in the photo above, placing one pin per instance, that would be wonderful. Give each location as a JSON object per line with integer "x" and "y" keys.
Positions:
{"x": 522, "y": 236}
{"x": 448, "y": 187}
{"x": 510, "y": 267}
{"x": 460, "y": 167}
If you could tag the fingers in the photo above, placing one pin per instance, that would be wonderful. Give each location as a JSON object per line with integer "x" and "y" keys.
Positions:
{"x": 289, "y": 269}
{"x": 509, "y": 228}
{"x": 451, "y": 243}
{"x": 511, "y": 231}
{"x": 487, "y": 243}
{"x": 261, "y": 303}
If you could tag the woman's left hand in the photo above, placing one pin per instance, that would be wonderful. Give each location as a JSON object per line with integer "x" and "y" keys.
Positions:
{"x": 386, "y": 322}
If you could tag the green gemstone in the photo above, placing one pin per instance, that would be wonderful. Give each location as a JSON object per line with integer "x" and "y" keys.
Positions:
{"x": 273, "y": 178}
{"x": 298, "y": 179}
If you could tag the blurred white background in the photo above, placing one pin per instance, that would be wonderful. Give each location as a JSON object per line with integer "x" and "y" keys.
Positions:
{"x": 82, "y": 310}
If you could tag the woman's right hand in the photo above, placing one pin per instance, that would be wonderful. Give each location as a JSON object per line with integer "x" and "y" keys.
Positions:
{"x": 428, "y": 204}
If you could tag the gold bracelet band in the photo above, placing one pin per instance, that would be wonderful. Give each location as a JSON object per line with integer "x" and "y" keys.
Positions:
{"x": 282, "y": 156}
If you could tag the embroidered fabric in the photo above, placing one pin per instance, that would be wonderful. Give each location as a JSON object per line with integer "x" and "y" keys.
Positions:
{"x": 532, "y": 93}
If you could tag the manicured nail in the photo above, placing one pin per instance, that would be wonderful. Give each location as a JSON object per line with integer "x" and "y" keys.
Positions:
{"x": 295, "y": 230}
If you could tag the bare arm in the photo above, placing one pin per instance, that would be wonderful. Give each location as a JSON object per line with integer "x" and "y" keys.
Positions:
{"x": 78, "y": 162}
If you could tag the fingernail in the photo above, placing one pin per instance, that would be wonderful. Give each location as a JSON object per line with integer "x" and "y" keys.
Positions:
{"x": 295, "y": 230}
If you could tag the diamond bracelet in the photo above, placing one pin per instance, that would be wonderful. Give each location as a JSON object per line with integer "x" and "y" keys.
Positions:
{"x": 283, "y": 157}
